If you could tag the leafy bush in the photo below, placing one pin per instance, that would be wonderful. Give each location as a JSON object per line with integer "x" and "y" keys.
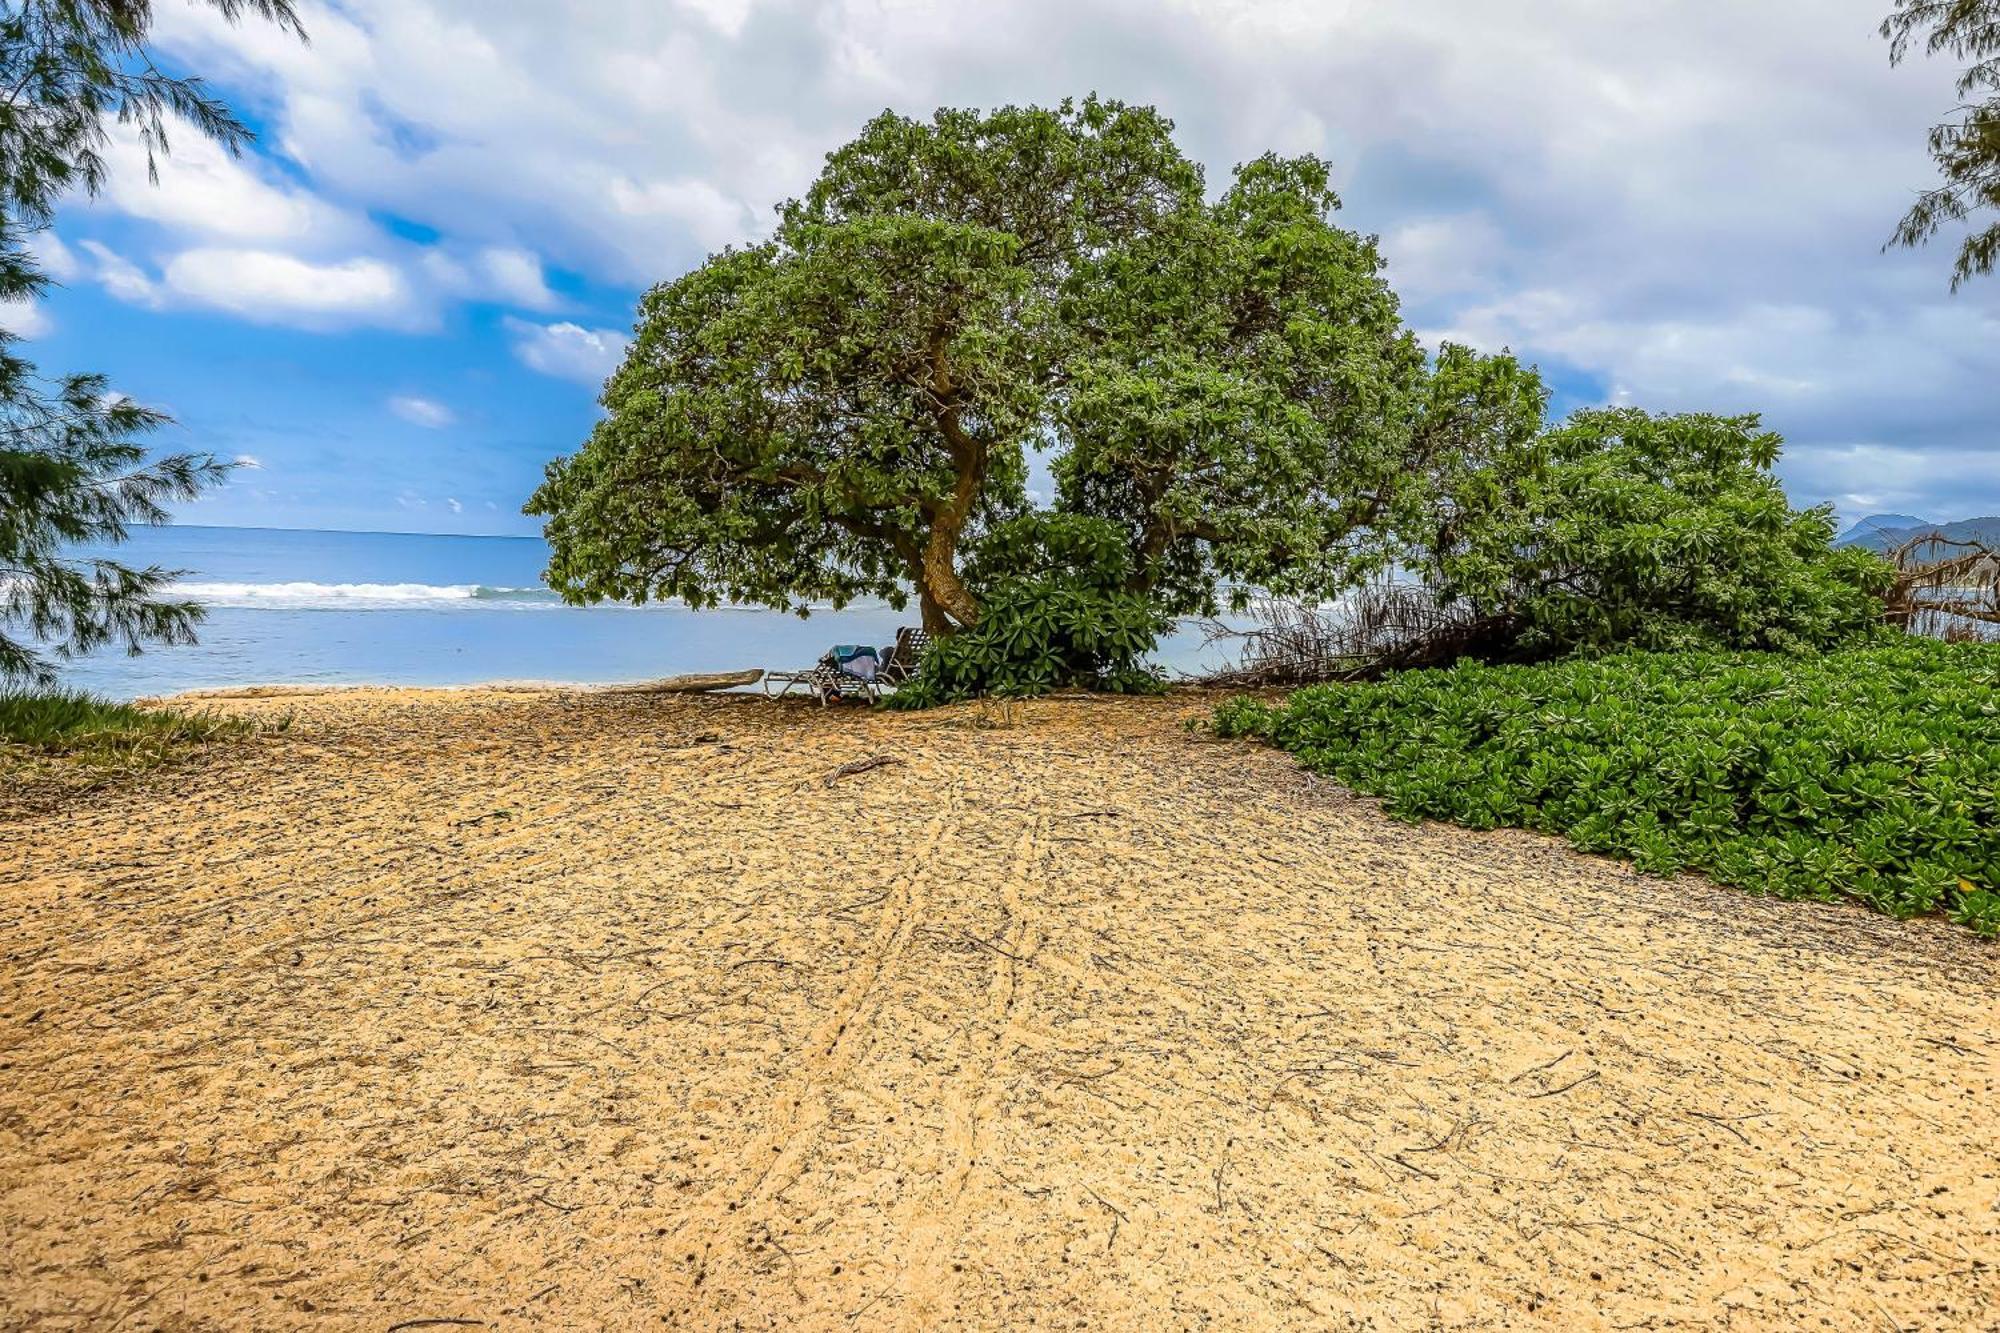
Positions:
{"x": 1623, "y": 530}
{"x": 1870, "y": 773}
{"x": 1057, "y": 613}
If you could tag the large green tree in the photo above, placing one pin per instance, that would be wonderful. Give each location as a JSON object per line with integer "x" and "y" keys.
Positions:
{"x": 1966, "y": 147}
{"x": 1246, "y": 402}
{"x": 72, "y": 468}
{"x": 850, "y": 408}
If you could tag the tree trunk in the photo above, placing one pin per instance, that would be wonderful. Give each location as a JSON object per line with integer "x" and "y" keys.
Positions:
{"x": 941, "y": 586}
{"x": 937, "y": 579}
{"x": 936, "y": 618}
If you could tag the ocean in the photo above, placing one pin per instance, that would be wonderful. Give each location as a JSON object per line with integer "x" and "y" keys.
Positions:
{"x": 297, "y": 607}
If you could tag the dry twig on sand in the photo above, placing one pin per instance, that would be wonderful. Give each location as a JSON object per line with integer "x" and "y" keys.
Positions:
{"x": 858, "y": 766}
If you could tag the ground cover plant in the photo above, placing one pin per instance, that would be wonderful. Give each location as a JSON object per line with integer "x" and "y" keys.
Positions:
{"x": 1870, "y": 773}
{"x": 69, "y": 739}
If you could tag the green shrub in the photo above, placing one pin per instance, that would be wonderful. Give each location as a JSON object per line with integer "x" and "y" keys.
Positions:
{"x": 1623, "y": 530}
{"x": 1870, "y": 773}
{"x": 1056, "y": 614}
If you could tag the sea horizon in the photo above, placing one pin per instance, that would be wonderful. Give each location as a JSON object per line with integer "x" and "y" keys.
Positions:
{"x": 291, "y": 607}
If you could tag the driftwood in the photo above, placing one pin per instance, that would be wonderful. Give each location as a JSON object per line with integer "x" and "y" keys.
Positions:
{"x": 698, "y": 683}
{"x": 1377, "y": 628}
{"x": 858, "y": 766}
{"x": 1945, "y": 588}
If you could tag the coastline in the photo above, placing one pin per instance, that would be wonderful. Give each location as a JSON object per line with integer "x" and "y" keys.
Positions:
{"x": 303, "y": 689}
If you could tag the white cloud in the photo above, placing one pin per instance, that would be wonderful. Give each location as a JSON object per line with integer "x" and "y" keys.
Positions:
{"x": 698, "y": 209}
{"x": 515, "y": 276}
{"x": 497, "y": 273}
{"x": 425, "y": 412}
{"x": 271, "y": 287}
{"x": 1648, "y": 200}
{"x": 568, "y": 351}
{"x": 204, "y": 191}
{"x": 250, "y": 461}
{"x": 55, "y": 258}
{"x": 451, "y": 503}
{"x": 1436, "y": 258}
{"x": 24, "y": 319}
{"x": 121, "y": 277}
{"x": 725, "y": 16}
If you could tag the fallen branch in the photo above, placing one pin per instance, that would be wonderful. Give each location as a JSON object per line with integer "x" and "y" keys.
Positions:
{"x": 858, "y": 766}
{"x": 698, "y": 683}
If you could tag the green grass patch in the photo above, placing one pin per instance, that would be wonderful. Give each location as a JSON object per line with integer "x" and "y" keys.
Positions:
{"x": 1871, "y": 774}
{"x": 67, "y": 739}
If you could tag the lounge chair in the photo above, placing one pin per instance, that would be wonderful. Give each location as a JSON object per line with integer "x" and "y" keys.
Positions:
{"x": 850, "y": 671}
{"x": 847, "y": 671}
{"x": 901, "y": 660}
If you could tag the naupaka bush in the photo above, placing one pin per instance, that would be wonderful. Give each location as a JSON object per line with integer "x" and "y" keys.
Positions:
{"x": 1870, "y": 773}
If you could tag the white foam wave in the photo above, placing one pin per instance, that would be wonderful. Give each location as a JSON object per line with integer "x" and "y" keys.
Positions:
{"x": 311, "y": 596}
{"x": 357, "y": 596}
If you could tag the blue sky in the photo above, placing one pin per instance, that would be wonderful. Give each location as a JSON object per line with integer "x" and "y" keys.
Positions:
{"x": 400, "y": 302}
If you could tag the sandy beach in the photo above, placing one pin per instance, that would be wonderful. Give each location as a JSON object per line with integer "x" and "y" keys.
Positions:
{"x": 482, "y": 1009}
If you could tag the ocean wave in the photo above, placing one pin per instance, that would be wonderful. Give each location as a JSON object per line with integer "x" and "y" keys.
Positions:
{"x": 307, "y": 596}
{"x": 299, "y": 596}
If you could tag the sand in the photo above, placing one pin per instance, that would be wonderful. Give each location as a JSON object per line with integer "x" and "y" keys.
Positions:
{"x": 511, "y": 1010}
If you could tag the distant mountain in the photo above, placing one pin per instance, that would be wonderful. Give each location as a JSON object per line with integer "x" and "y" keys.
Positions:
{"x": 1885, "y": 532}
{"x": 1882, "y": 523}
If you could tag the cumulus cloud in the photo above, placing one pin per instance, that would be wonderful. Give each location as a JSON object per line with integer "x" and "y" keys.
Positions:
{"x": 515, "y": 276}
{"x": 303, "y": 261}
{"x": 502, "y": 274}
{"x": 201, "y": 189}
{"x": 270, "y": 286}
{"x": 425, "y": 412}
{"x": 24, "y": 318}
{"x": 266, "y": 287}
{"x": 1681, "y": 206}
{"x": 568, "y": 351}
{"x": 694, "y": 208}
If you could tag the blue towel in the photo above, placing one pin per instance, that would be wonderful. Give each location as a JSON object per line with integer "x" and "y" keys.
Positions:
{"x": 856, "y": 659}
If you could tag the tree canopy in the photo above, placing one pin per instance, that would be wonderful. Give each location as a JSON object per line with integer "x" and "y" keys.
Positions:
{"x": 848, "y": 409}
{"x": 71, "y": 467}
{"x": 1965, "y": 147}
{"x": 1222, "y": 388}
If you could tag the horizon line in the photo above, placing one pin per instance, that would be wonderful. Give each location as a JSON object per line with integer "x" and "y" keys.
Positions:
{"x": 351, "y": 532}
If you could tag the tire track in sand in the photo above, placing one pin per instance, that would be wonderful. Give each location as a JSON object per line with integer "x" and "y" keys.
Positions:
{"x": 777, "y": 1155}
{"x": 930, "y": 1227}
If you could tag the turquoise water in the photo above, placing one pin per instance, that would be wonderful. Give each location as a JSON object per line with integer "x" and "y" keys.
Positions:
{"x": 291, "y": 607}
